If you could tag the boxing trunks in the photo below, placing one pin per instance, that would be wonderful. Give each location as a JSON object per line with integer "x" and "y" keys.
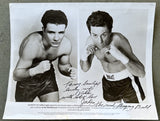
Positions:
{"x": 122, "y": 86}
{"x": 28, "y": 89}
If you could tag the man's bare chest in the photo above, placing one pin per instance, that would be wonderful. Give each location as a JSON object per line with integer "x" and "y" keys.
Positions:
{"x": 105, "y": 56}
{"x": 50, "y": 54}
{"x": 109, "y": 63}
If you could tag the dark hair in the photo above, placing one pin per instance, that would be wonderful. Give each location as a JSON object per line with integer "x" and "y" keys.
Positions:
{"x": 55, "y": 17}
{"x": 99, "y": 18}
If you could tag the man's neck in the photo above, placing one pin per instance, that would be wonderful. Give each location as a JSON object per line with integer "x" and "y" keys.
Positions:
{"x": 45, "y": 45}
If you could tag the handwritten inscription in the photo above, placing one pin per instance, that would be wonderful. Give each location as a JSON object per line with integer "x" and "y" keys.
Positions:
{"x": 82, "y": 91}
{"x": 85, "y": 93}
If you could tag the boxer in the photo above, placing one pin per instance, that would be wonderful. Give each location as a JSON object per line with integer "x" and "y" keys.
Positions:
{"x": 34, "y": 71}
{"x": 121, "y": 67}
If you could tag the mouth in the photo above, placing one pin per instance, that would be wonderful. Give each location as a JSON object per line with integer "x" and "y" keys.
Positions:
{"x": 100, "y": 45}
{"x": 55, "y": 44}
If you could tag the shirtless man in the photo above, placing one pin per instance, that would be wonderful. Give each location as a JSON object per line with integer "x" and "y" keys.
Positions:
{"x": 121, "y": 67}
{"x": 34, "y": 71}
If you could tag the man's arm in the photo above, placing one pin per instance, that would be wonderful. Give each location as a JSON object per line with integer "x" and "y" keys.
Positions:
{"x": 134, "y": 65}
{"x": 25, "y": 61}
{"x": 66, "y": 68}
{"x": 86, "y": 64}
{"x": 125, "y": 54}
{"x": 64, "y": 64}
{"x": 29, "y": 51}
{"x": 87, "y": 55}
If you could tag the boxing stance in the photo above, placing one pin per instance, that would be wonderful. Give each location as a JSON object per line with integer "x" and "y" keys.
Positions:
{"x": 121, "y": 67}
{"x": 34, "y": 71}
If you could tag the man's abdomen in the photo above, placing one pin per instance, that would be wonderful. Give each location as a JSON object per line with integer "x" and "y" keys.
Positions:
{"x": 113, "y": 67}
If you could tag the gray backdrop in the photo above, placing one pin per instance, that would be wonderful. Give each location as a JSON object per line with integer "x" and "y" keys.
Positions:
{"x": 5, "y": 45}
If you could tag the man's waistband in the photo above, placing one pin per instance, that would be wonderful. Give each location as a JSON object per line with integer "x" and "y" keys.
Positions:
{"x": 117, "y": 76}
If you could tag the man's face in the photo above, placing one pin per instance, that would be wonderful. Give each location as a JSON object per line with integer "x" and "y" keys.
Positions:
{"x": 54, "y": 33}
{"x": 100, "y": 36}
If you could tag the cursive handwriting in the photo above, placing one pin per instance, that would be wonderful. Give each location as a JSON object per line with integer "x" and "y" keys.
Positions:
{"x": 82, "y": 91}
{"x": 85, "y": 93}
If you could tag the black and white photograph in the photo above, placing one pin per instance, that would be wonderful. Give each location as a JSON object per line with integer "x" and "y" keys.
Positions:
{"x": 44, "y": 47}
{"x": 110, "y": 33}
{"x": 81, "y": 61}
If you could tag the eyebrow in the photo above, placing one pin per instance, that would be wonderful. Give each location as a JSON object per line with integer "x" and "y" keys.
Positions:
{"x": 94, "y": 33}
{"x": 61, "y": 32}
{"x": 101, "y": 34}
{"x": 55, "y": 32}
{"x": 51, "y": 31}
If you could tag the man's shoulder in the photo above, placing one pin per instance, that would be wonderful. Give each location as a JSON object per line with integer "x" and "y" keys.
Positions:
{"x": 66, "y": 42}
{"x": 31, "y": 44}
{"x": 34, "y": 37}
{"x": 66, "y": 45}
{"x": 116, "y": 35}
{"x": 32, "y": 40}
{"x": 118, "y": 38}
{"x": 121, "y": 41}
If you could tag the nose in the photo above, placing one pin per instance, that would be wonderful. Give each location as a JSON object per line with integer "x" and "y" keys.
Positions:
{"x": 56, "y": 37}
{"x": 100, "y": 40}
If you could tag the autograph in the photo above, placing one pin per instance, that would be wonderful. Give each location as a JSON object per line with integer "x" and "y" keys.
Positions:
{"x": 84, "y": 93}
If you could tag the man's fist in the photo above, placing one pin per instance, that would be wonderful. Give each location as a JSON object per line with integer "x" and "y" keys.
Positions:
{"x": 42, "y": 67}
{"x": 88, "y": 50}
{"x": 72, "y": 73}
{"x": 117, "y": 54}
{"x": 91, "y": 49}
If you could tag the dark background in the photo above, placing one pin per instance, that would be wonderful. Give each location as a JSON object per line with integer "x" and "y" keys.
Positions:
{"x": 5, "y": 46}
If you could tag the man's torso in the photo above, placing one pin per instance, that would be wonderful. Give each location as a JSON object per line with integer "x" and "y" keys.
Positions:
{"x": 109, "y": 63}
{"x": 44, "y": 54}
